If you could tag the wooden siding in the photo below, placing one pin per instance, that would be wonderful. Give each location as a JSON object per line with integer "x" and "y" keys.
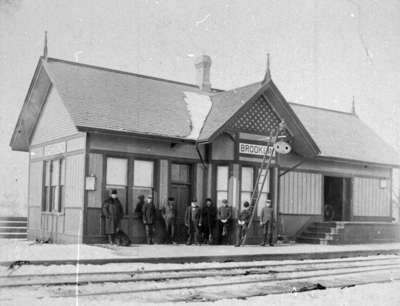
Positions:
{"x": 163, "y": 182}
{"x": 334, "y": 167}
{"x": 146, "y": 147}
{"x": 54, "y": 121}
{"x": 369, "y": 198}
{"x": 35, "y": 183}
{"x": 223, "y": 148}
{"x": 74, "y": 180}
{"x": 301, "y": 193}
{"x": 199, "y": 183}
{"x": 94, "y": 197}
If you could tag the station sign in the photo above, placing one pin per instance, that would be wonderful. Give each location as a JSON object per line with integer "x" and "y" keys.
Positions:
{"x": 254, "y": 149}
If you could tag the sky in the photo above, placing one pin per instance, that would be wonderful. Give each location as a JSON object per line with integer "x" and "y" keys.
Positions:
{"x": 323, "y": 53}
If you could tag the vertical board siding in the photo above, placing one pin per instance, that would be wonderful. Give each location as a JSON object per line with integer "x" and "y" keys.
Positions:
{"x": 35, "y": 183}
{"x": 301, "y": 193}
{"x": 94, "y": 197}
{"x": 199, "y": 183}
{"x": 54, "y": 122}
{"x": 74, "y": 180}
{"x": 370, "y": 199}
{"x": 163, "y": 182}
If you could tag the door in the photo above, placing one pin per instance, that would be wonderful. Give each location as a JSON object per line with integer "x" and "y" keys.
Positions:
{"x": 181, "y": 193}
{"x": 181, "y": 190}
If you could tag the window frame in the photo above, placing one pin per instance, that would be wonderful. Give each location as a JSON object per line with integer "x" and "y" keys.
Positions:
{"x": 53, "y": 193}
{"x": 228, "y": 166}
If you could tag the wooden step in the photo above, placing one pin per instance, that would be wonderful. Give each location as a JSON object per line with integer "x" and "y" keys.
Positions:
{"x": 13, "y": 235}
{"x": 13, "y": 224}
{"x": 13, "y": 229}
{"x": 14, "y": 219}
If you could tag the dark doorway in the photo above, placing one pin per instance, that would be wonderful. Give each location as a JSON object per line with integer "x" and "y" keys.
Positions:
{"x": 181, "y": 188}
{"x": 337, "y": 198}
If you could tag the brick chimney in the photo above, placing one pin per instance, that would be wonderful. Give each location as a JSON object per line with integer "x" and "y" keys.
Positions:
{"x": 203, "y": 64}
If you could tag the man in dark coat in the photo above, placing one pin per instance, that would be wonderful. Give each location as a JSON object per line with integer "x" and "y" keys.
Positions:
{"x": 224, "y": 217}
{"x": 169, "y": 215}
{"x": 139, "y": 206}
{"x": 113, "y": 213}
{"x": 266, "y": 221}
{"x": 193, "y": 222}
{"x": 208, "y": 220}
{"x": 148, "y": 217}
{"x": 243, "y": 222}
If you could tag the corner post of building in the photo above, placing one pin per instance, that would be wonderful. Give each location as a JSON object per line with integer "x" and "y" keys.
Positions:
{"x": 274, "y": 189}
{"x": 234, "y": 181}
{"x": 163, "y": 183}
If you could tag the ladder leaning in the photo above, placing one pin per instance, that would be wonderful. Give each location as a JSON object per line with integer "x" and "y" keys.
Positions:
{"x": 262, "y": 177}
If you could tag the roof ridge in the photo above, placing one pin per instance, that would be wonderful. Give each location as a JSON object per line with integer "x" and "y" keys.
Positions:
{"x": 52, "y": 59}
{"x": 323, "y": 108}
{"x": 236, "y": 88}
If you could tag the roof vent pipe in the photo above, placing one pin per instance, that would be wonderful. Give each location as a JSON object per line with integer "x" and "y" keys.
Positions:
{"x": 203, "y": 64}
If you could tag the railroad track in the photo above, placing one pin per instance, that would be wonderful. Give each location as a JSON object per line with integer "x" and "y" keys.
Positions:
{"x": 272, "y": 278}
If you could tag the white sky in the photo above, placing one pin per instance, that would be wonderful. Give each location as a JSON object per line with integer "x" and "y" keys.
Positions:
{"x": 322, "y": 52}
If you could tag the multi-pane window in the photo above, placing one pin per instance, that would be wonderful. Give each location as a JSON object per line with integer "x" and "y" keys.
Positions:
{"x": 222, "y": 184}
{"x": 143, "y": 179}
{"x": 54, "y": 180}
{"x": 247, "y": 184}
{"x": 117, "y": 178}
{"x": 264, "y": 192}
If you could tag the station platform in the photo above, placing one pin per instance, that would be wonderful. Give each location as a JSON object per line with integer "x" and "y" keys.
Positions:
{"x": 30, "y": 252}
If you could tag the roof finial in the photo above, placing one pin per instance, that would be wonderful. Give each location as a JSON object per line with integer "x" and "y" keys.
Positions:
{"x": 267, "y": 76}
{"x": 353, "y": 106}
{"x": 45, "y": 46}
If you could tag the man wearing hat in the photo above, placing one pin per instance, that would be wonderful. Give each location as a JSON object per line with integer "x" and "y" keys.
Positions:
{"x": 224, "y": 217}
{"x": 169, "y": 215}
{"x": 113, "y": 213}
{"x": 243, "y": 222}
{"x": 266, "y": 220}
{"x": 148, "y": 217}
{"x": 193, "y": 222}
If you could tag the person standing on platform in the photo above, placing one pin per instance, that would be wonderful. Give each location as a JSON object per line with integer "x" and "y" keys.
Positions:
{"x": 266, "y": 222}
{"x": 193, "y": 223}
{"x": 224, "y": 217}
{"x": 149, "y": 215}
{"x": 243, "y": 222}
{"x": 113, "y": 213}
{"x": 139, "y": 206}
{"x": 169, "y": 214}
{"x": 208, "y": 220}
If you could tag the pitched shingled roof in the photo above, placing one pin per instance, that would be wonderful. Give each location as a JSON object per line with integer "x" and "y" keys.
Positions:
{"x": 105, "y": 99}
{"x": 343, "y": 135}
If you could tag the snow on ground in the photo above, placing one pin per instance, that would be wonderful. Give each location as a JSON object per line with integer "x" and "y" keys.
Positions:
{"x": 12, "y": 250}
{"x": 384, "y": 294}
{"x": 198, "y": 107}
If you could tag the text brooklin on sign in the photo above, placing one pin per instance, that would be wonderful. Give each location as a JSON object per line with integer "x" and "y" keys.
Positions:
{"x": 254, "y": 149}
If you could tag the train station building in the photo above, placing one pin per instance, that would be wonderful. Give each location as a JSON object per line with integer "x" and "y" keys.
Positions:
{"x": 89, "y": 130}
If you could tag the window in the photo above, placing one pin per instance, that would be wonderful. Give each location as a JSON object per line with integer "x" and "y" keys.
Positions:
{"x": 143, "y": 179}
{"x": 247, "y": 184}
{"x": 222, "y": 184}
{"x": 54, "y": 180}
{"x": 264, "y": 192}
{"x": 116, "y": 178}
{"x": 116, "y": 171}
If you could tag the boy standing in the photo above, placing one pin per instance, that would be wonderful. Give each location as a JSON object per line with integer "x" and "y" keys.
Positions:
{"x": 224, "y": 217}
{"x": 149, "y": 215}
{"x": 243, "y": 222}
{"x": 193, "y": 222}
{"x": 169, "y": 214}
{"x": 266, "y": 220}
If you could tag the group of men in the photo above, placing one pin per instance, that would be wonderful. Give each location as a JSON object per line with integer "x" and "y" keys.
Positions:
{"x": 203, "y": 224}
